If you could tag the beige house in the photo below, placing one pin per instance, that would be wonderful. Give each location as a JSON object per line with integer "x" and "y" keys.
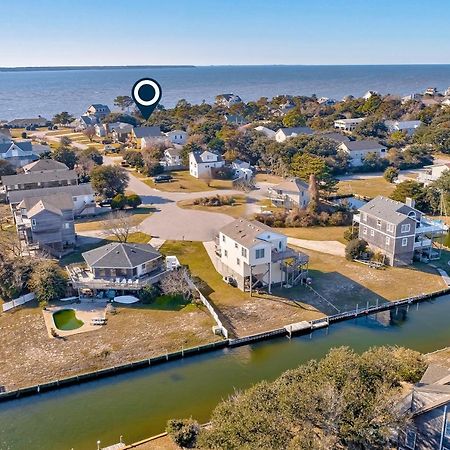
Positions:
{"x": 289, "y": 194}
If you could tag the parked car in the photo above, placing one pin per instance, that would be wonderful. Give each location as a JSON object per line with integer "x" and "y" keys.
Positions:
{"x": 105, "y": 202}
{"x": 163, "y": 179}
{"x": 124, "y": 164}
{"x": 109, "y": 148}
{"x": 230, "y": 280}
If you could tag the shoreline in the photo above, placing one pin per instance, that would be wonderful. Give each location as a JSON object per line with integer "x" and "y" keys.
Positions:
{"x": 213, "y": 346}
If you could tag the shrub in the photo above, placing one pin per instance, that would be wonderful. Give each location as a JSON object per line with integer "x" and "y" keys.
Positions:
{"x": 351, "y": 233}
{"x": 149, "y": 294}
{"x": 355, "y": 248}
{"x": 119, "y": 201}
{"x": 183, "y": 432}
{"x": 133, "y": 201}
{"x": 390, "y": 174}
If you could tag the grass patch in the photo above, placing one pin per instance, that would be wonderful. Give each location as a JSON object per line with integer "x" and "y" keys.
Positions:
{"x": 135, "y": 238}
{"x": 238, "y": 209}
{"x": 368, "y": 187}
{"x": 316, "y": 233}
{"x": 183, "y": 182}
{"x": 92, "y": 223}
{"x": 75, "y": 256}
{"x": 169, "y": 303}
{"x": 268, "y": 178}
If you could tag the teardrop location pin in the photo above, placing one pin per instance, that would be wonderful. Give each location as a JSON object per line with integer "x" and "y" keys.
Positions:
{"x": 146, "y": 94}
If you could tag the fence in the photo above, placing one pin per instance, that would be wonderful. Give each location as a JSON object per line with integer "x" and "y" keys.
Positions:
{"x": 18, "y": 301}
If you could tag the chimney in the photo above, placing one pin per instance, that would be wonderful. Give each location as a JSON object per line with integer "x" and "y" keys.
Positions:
{"x": 410, "y": 202}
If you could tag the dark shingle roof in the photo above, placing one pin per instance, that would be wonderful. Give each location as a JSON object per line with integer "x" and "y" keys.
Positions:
{"x": 34, "y": 177}
{"x": 141, "y": 132}
{"x": 120, "y": 256}
{"x": 198, "y": 156}
{"x": 25, "y": 146}
{"x": 387, "y": 209}
{"x": 246, "y": 232}
{"x": 59, "y": 201}
{"x": 73, "y": 190}
{"x": 363, "y": 145}
{"x": 44, "y": 165}
{"x": 296, "y": 130}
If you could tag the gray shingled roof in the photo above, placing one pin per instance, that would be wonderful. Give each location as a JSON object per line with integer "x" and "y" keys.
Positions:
{"x": 337, "y": 137}
{"x": 363, "y": 145}
{"x": 120, "y": 256}
{"x": 26, "y": 146}
{"x": 198, "y": 156}
{"x": 292, "y": 185}
{"x": 141, "y": 132}
{"x": 296, "y": 130}
{"x": 387, "y": 209}
{"x": 34, "y": 177}
{"x": 44, "y": 165}
{"x": 246, "y": 232}
{"x": 73, "y": 190}
{"x": 61, "y": 201}
{"x": 43, "y": 205}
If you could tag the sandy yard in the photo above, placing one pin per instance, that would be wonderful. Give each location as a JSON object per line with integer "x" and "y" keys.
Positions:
{"x": 29, "y": 356}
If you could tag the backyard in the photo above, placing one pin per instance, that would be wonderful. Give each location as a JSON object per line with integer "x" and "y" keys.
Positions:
{"x": 134, "y": 333}
{"x": 366, "y": 187}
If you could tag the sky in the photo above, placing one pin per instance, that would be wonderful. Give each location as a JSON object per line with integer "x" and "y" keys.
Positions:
{"x": 224, "y": 32}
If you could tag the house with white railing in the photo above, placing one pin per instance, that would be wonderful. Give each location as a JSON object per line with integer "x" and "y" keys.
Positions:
{"x": 252, "y": 255}
{"x": 399, "y": 231}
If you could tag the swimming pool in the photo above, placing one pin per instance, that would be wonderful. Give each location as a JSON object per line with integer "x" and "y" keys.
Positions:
{"x": 66, "y": 319}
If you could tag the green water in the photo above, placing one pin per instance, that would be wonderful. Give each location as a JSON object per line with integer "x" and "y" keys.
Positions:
{"x": 66, "y": 319}
{"x": 138, "y": 404}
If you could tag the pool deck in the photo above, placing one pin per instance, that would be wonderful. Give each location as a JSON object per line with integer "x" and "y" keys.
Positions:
{"x": 83, "y": 311}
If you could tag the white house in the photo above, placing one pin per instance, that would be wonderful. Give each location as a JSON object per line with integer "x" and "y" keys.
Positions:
{"x": 266, "y": 131}
{"x": 289, "y": 194}
{"x": 358, "y": 150}
{"x": 254, "y": 255}
{"x": 369, "y": 94}
{"x": 348, "y": 124}
{"x": 432, "y": 173}
{"x": 407, "y": 126}
{"x": 227, "y": 100}
{"x": 430, "y": 91}
{"x": 241, "y": 169}
{"x": 326, "y": 101}
{"x": 202, "y": 163}
{"x": 172, "y": 157}
{"x": 98, "y": 110}
{"x": 18, "y": 153}
{"x": 177, "y": 137}
{"x": 101, "y": 130}
{"x": 285, "y": 133}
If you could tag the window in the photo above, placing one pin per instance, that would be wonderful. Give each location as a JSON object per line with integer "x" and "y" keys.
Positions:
{"x": 372, "y": 232}
{"x": 259, "y": 253}
{"x": 404, "y": 242}
{"x": 365, "y": 230}
{"x": 238, "y": 261}
{"x": 406, "y": 227}
{"x": 388, "y": 240}
{"x": 279, "y": 245}
{"x": 142, "y": 266}
{"x": 410, "y": 440}
{"x": 235, "y": 245}
{"x": 390, "y": 228}
{"x": 379, "y": 223}
{"x": 244, "y": 252}
{"x": 447, "y": 428}
{"x": 33, "y": 222}
{"x": 225, "y": 253}
{"x": 223, "y": 238}
{"x": 67, "y": 225}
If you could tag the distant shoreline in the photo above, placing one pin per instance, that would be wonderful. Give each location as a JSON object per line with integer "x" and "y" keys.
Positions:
{"x": 61, "y": 68}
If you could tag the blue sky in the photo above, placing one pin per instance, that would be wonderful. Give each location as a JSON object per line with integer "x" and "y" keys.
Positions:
{"x": 221, "y": 32}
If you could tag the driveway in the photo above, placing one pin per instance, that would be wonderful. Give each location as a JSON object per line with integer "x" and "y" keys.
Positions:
{"x": 331, "y": 247}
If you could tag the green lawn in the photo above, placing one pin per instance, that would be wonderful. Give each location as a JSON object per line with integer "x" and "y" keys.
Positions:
{"x": 170, "y": 303}
{"x": 368, "y": 187}
{"x": 183, "y": 182}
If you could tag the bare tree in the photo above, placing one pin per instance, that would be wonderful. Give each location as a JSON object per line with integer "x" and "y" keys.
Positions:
{"x": 176, "y": 283}
{"x": 118, "y": 224}
{"x": 89, "y": 132}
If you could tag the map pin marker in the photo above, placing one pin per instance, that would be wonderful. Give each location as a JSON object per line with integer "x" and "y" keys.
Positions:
{"x": 146, "y": 94}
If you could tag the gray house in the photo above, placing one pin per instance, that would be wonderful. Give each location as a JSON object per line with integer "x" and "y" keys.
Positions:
{"x": 44, "y": 165}
{"x": 429, "y": 405}
{"x": 398, "y": 230}
{"x": 36, "y": 180}
{"x": 18, "y": 153}
{"x": 47, "y": 223}
{"x": 124, "y": 266}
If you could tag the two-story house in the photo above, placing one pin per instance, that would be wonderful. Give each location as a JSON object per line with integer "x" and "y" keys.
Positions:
{"x": 398, "y": 230}
{"x": 177, "y": 136}
{"x": 146, "y": 136}
{"x": 18, "y": 153}
{"x": 98, "y": 110}
{"x": 359, "y": 150}
{"x": 254, "y": 255}
{"x": 203, "y": 163}
{"x": 172, "y": 157}
{"x": 227, "y": 100}
{"x": 120, "y": 131}
{"x": 348, "y": 124}
{"x": 429, "y": 174}
{"x": 47, "y": 223}
{"x": 289, "y": 194}
{"x": 45, "y": 165}
{"x": 407, "y": 126}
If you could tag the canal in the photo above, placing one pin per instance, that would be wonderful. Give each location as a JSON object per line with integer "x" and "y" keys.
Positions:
{"x": 138, "y": 404}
